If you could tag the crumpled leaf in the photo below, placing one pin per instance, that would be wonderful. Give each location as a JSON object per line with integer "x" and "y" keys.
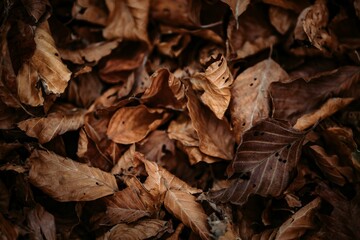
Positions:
{"x": 288, "y": 98}
{"x": 37, "y": 10}
{"x": 214, "y": 84}
{"x": 66, "y": 180}
{"x": 91, "y": 53}
{"x": 300, "y": 222}
{"x": 315, "y": 26}
{"x": 126, "y": 162}
{"x": 215, "y": 136}
{"x": 330, "y": 107}
{"x": 250, "y": 103}
{"x": 266, "y": 158}
{"x": 7, "y": 229}
{"x": 128, "y": 205}
{"x": 54, "y": 124}
{"x": 281, "y": 19}
{"x": 174, "y": 45}
{"x": 143, "y": 229}
{"x": 332, "y": 167}
{"x": 343, "y": 221}
{"x": 132, "y": 124}
{"x": 184, "y": 207}
{"x": 127, "y": 20}
{"x": 47, "y": 63}
{"x": 252, "y": 34}
{"x": 41, "y": 223}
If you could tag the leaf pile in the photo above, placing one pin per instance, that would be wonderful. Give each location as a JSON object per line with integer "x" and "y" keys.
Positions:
{"x": 179, "y": 119}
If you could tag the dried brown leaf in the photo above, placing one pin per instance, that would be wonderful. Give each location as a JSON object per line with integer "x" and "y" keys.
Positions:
{"x": 128, "y": 205}
{"x": 184, "y": 207}
{"x": 126, "y": 162}
{"x": 54, "y": 124}
{"x": 182, "y": 130}
{"x": 90, "y": 11}
{"x": 46, "y": 61}
{"x": 250, "y": 103}
{"x": 300, "y": 222}
{"x": 127, "y": 20}
{"x": 281, "y": 19}
{"x": 66, "y": 180}
{"x": 37, "y": 10}
{"x": 91, "y": 53}
{"x": 175, "y": 45}
{"x": 215, "y": 136}
{"x": 288, "y": 98}
{"x": 41, "y": 224}
{"x": 237, "y": 6}
{"x": 331, "y": 166}
{"x": 214, "y": 85}
{"x": 330, "y": 107}
{"x": 7, "y": 230}
{"x": 143, "y": 229}
{"x": 296, "y": 5}
{"x": 266, "y": 158}
{"x": 132, "y": 124}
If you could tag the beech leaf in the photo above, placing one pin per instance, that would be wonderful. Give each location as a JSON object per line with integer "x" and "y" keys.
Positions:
{"x": 132, "y": 124}
{"x": 41, "y": 223}
{"x": 66, "y": 180}
{"x": 184, "y": 207}
{"x": 266, "y": 157}
{"x": 237, "y": 6}
{"x": 56, "y": 123}
{"x": 250, "y": 103}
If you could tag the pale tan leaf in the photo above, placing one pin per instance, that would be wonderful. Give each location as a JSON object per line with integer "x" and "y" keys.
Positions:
{"x": 66, "y": 180}
{"x": 41, "y": 224}
{"x": 160, "y": 180}
{"x": 330, "y": 107}
{"x": 184, "y": 207}
{"x": 46, "y": 61}
{"x": 196, "y": 156}
{"x": 132, "y": 124}
{"x": 182, "y": 130}
{"x": 215, "y": 84}
{"x": 27, "y": 84}
{"x": 56, "y": 123}
{"x": 143, "y": 229}
{"x": 332, "y": 167}
{"x": 92, "y": 53}
{"x": 129, "y": 205}
{"x": 250, "y": 100}
{"x": 299, "y": 223}
{"x": 127, "y": 19}
{"x": 215, "y": 136}
{"x": 125, "y": 162}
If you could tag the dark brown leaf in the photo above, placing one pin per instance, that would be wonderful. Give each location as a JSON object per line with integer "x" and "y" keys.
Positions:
{"x": 266, "y": 158}
{"x": 41, "y": 224}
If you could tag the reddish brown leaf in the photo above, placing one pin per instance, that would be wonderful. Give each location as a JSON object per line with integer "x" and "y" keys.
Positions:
{"x": 237, "y": 6}
{"x": 41, "y": 223}
{"x": 183, "y": 206}
{"x": 281, "y": 19}
{"x": 337, "y": 83}
{"x": 7, "y": 229}
{"x": 89, "y": 10}
{"x": 37, "y": 10}
{"x": 132, "y": 124}
{"x": 56, "y": 123}
{"x": 67, "y": 180}
{"x": 266, "y": 158}
{"x": 250, "y": 103}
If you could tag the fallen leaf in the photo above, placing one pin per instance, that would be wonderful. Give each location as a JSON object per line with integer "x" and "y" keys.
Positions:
{"x": 196, "y": 156}
{"x": 214, "y": 84}
{"x": 266, "y": 158}
{"x": 331, "y": 166}
{"x": 126, "y": 162}
{"x": 128, "y": 205}
{"x": 215, "y": 136}
{"x": 37, "y": 10}
{"x": 184, "y": 207}
{"x": 8, "y": 230}
{"x": 143, "y": 229}
{"x": 54, "y": 124}
{"x": 296, "y": 6}
{"x": 176, "y": 234}
{"x": 288, "y": 98}
{"x": 250, "y": 102}
{"x": 46, "y": 61}
{"x": 250, "y": 34}
{"x": 183, "y": 131}
{"x": 330, "y": 107}
{"x": 127, "y": 20}
{"x": 174, "y": 44}
{"x": 91, "y": 53}
{"x": 90, "y": 11}
{"x": 41, "y": 223}
{"x": 132, "y": 124}
{"x": 66, "y": 180}
{"x": 281, "y": 19}
{"x": 300, "y": 222}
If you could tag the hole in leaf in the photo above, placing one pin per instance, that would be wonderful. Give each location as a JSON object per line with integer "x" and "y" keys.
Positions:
{"x": 288, "y": 146}
{"x": 276, "y": 154}
{"x": 255, "y": 79}
{"x": 243, "y": 124}
{"x": 254, "y": 185}
{"x": 251, "y": 84}
{"x": 256, "y": 133}
{"x": 284, "y": 161}
{"x": 262, "y": 133}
